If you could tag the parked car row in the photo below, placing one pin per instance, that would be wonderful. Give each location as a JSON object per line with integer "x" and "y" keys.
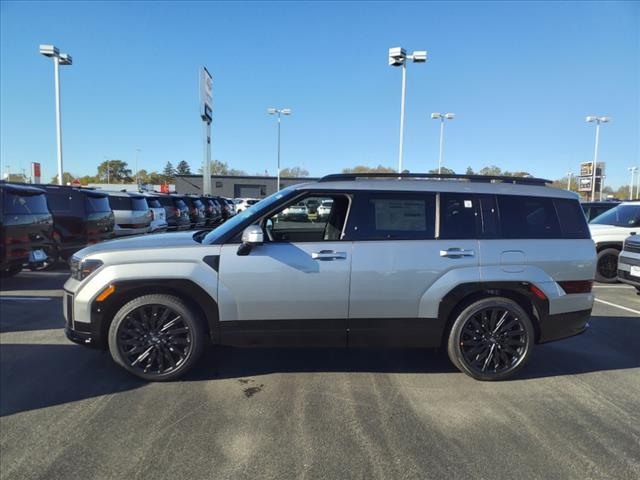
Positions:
{"x": 49, "y": 223}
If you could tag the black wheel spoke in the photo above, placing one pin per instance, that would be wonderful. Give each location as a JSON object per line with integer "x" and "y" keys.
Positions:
{"x": 154, "y": 339}
{"x": 493, "y": 340}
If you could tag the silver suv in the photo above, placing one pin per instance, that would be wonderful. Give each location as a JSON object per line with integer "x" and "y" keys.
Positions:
{"x": 484, "y": 267}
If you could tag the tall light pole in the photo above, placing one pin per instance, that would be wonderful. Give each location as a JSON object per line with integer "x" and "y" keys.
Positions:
{"x": 279, "y": 112}
{"x": 137, "y": 180}
{"x": 597, "y": 120}
{"x": 569, "y": 177}
{"x": 442, "y": 117}
{"x": 398, "y": 58}
{"x": 633, "y": 172}
{"x": 58, "y": 59}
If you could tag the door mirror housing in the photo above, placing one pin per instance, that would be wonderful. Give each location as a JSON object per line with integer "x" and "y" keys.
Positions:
{"x": 251, "y": 236}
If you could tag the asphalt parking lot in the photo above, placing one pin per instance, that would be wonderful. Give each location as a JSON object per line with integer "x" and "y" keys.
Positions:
{"x": 69, "y": 412}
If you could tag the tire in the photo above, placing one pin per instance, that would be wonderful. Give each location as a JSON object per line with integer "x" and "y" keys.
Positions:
{"x": 11, "y": 271}
{"x": 515, "y": 333}
{"x": 638, "y": 290}
{"x": 607, "y": 266}
{"x": 171, "y": 348}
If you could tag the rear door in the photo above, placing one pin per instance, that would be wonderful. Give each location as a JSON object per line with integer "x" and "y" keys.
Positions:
{"x": 404, "y": 261}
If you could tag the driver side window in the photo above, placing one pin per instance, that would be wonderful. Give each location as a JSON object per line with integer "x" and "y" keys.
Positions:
{"x": 313, "y": 218}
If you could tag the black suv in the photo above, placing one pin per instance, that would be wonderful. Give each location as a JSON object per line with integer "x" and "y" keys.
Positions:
{"x": 213, "y": 211}
{"x": 196, "y": 211}
{"x": 26, "y": 228}
{"x": 81, "y": 217}
{"x": 177, "y": 212}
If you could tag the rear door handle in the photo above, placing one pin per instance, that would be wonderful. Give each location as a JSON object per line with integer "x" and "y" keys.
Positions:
{"x": 329, "y": 255}
{"x": 457, "y": 253}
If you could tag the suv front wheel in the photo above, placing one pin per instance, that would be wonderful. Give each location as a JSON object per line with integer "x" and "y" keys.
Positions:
{"x": 607, "y": 267}
{"x": 156, "y": 337}
{"x": 491, "y": 339}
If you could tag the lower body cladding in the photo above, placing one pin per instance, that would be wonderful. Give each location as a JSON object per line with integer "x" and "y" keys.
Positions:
{"x": 629, "y": 269}
{"x": 351, "y": 332}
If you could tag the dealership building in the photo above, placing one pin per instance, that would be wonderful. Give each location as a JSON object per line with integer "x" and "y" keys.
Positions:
{"x": 230, "y": 186}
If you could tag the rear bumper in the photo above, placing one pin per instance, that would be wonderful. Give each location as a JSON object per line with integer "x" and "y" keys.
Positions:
{"x": 563, "y": 325}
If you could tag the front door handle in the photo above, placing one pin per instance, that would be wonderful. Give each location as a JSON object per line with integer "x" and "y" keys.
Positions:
{"x": 329, "y": 255}
{"x": 457, "y": 253}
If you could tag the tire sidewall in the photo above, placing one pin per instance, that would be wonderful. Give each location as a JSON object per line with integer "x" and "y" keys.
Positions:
{"x": 455, "y": 353}
{"x": 194, "y": 322}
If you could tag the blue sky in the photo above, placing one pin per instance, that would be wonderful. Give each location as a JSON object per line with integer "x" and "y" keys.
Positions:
{"x": 520, "y": 76}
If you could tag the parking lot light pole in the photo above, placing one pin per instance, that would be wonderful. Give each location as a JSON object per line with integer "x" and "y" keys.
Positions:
{"x": 52, "y": 51}
{"x": 597, "y": 120}
{"x": 398, "y": 58}
{"x": 279, "y": 112}
{"x": 569, "y": 177}
{"x": 631, "y": 183}
{"x": 442, "y": 118}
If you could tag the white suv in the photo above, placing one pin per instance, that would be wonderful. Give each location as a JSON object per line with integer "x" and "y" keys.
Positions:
{"x": 609, "y": 230}
{"x": 485, "y": 267}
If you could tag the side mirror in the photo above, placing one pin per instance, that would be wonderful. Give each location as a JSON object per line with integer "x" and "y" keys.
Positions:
{"x": 251, "y": 237}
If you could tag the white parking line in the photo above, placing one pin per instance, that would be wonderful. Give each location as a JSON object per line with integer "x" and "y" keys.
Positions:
{"x": 618, "y": 306}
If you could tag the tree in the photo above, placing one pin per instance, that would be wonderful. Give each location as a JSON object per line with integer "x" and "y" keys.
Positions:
{"x": 366, "y": 169}
{"x": 183, "y": 168}
{"x": 470, "y": 171}
{"x": 218, "y": 167}
{"x": 87, "y": 179}
{"x": 492, "y": 170}
{"x": 294, "y": 172}
{"x": 66, "y": 178}
{"x": 168, "y": 173}
{"x": 444, "y": 170}
{"x": 114, "y": 171}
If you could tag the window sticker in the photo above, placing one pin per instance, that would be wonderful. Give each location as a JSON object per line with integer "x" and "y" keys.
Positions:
{"x": 468, "y": 204}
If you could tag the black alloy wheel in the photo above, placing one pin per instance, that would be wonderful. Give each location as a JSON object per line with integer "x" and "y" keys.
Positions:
{"x": 491, "y": 339}
{"x": 156, "y": 337}
{"x": 607, "y": 267}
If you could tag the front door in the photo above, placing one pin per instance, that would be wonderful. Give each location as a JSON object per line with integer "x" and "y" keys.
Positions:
{"x": 294, "y": 288}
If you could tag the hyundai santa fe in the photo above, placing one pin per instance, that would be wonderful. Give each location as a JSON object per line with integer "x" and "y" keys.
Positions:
{"x": 484, "y": 267}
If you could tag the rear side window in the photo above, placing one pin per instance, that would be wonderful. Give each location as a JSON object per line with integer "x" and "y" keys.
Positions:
{"x": 197, "y": 203}
{"x": 97, "y": 204}
{"x": 59, "y": 202}
{"x": 139, "y": 204}
{"x": 120, "y": 203}
{"x": 20, "y": 204}
{"x": 393, "y": 216}
{"x": 528, "y": 217}
{"x": 458, "y": 216}
{"x": 572, "y": 221}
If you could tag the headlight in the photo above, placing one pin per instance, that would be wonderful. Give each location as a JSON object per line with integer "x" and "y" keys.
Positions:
{"x": 81, "y": 269}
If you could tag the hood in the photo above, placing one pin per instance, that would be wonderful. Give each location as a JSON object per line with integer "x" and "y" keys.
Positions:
{"x": 161, "y": 240}
{"x": 598, "y": 230}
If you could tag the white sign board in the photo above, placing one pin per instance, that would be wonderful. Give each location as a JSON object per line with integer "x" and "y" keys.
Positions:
{"x": 206, "y": 95}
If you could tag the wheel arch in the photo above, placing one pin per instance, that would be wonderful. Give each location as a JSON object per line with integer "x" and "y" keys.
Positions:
{"x": 611, "y": 244}
{"x": 193, "y": 295}
{"x": 465, "y": 294}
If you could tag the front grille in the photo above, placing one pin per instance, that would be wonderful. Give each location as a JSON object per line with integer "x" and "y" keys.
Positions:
{"x": 627, "y": 276}
{"x": 69, "y": 304}
{"x": 632, "y": 247}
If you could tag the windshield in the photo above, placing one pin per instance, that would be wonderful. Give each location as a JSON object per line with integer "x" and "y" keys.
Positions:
{"x": 239, "y": 218}
{"x": 620, "y": 216}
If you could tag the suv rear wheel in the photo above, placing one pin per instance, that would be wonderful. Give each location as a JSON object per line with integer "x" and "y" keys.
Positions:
{"x": 607, "y": 269}
{"x": 156, "y": 337}
{"x": 491, "y": 339}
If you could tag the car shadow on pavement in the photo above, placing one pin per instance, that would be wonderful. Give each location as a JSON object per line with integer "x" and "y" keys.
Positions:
{"x": 16, "y": 315}
{"x": 35, "y": 376}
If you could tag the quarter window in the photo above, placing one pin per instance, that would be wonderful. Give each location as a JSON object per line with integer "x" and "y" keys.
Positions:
{"x": 572, "y": 220}
{"x": 528, "y": 217}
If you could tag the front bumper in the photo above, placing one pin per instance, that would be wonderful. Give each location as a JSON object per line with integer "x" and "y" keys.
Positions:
{"x": 78, "y": 332}
{"x": 624, "y": 269}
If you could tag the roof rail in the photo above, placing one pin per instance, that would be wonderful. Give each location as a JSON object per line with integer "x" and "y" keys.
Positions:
{"x": 336, "y": 177}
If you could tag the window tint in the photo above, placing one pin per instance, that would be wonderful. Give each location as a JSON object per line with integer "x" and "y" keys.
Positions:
{"x": 59, "y": 201}
{"x": 139, "y": 204}
{"x": 572, "y": 220}
{"x": 153, "y": 202}
{"x": 393, "y": 216}
{"x": 165, "y": 201}
{"x": 120, "y": 203}
{"x": 97, "y": 204}
{"x": 527, "y": 217}
{"x": 20, "y": 204}
{"x": 458, "y": 216}
{"x": 489, "y": 216}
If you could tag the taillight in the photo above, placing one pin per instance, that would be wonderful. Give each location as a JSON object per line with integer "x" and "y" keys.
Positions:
{"x": 14, "y": 240}
{"x": 576, "y": 286}
{"x": 153, "y": 215}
